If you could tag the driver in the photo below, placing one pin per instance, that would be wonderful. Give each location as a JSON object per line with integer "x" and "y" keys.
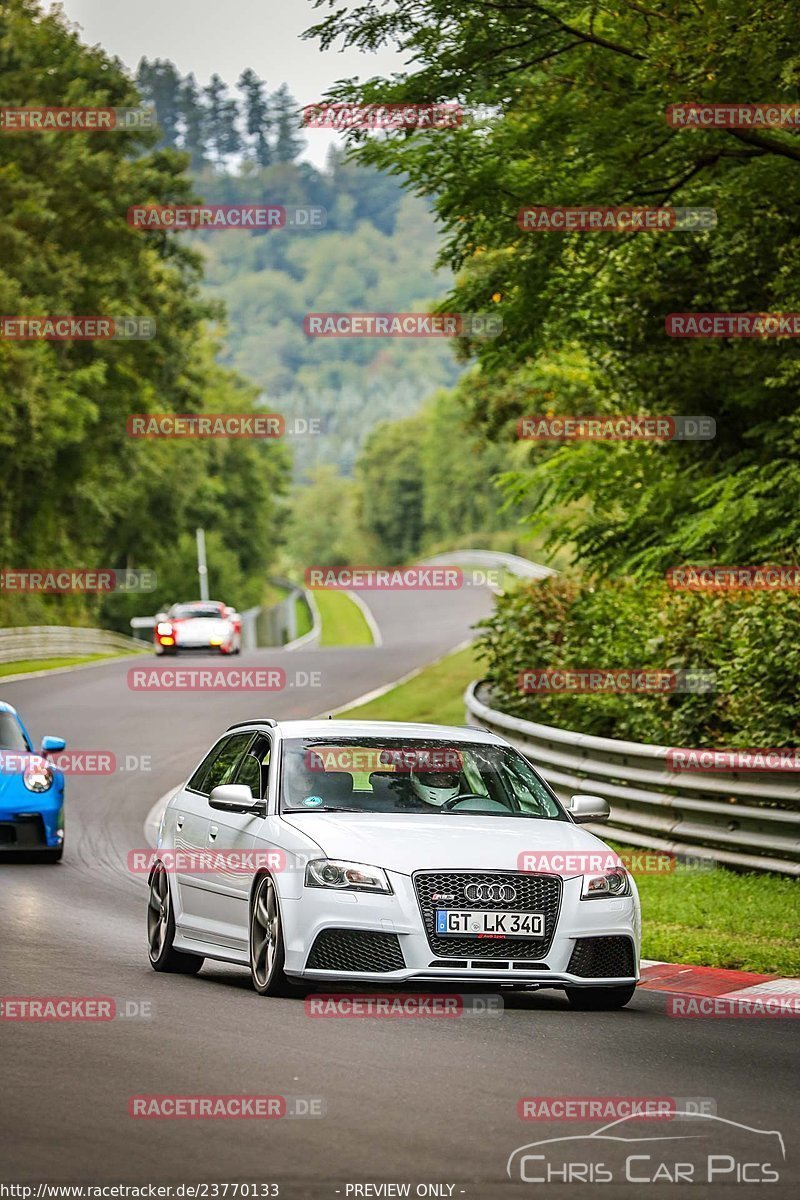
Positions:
{"x": 435, "y": 788}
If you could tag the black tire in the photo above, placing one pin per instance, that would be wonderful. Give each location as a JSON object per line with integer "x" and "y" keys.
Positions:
{"x": 161, "y": 930}
{"x": 267, "y": 954}
{"x": 599, "y": 999}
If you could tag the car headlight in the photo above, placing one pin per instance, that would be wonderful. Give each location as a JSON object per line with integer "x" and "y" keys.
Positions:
{"x": 610, "y": 883}
{"x": 345, "y": 876}
{"x": 38, "y": 777}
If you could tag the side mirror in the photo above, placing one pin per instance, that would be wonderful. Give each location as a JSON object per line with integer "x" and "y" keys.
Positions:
{"x": 51, "y": 745}
{"x": 585, "y": 809}
{"x": 236, "y": 797}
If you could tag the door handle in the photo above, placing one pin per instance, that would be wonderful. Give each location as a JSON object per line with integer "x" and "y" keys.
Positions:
{"x": 212, "y": 833}
{"x": 179, "y": 822}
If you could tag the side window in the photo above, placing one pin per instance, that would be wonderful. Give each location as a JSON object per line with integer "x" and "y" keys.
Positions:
{"x": 221, "y": 764}
{"x": 254, "y": 769}
{"x": 195, "y": 784}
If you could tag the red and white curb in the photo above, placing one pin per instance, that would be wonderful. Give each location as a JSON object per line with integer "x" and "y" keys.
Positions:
{"x": 742, "y": 993}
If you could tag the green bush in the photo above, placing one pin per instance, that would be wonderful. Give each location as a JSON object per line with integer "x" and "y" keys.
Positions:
{"x": 750, "y": 640}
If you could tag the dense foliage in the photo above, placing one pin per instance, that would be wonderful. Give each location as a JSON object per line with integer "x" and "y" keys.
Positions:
{"x": 573, "y": 113}
{"x": 748, "y": 641}
{"x": 421, "y": 484}
{"x": 76, "y": 489}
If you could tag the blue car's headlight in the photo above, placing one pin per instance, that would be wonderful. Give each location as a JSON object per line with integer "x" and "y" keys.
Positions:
{"x": 38, "y": 776}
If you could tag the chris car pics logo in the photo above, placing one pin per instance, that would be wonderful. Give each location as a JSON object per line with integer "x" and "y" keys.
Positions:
{"x": 694, "y": 1147}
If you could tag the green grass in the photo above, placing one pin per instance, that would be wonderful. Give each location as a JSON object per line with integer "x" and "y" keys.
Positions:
{"x": 343, "y": 623}
{"x": 433, "y": 695}
{"x": 302, "y": 613}
{"x": 716, "y": 918}
{"x": 24, "y": 665}
{"x": 721, "y": 918}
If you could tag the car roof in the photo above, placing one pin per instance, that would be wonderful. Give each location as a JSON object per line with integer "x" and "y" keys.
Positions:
{"x": 375, "y": 729}
{"x": 6, "y": 707}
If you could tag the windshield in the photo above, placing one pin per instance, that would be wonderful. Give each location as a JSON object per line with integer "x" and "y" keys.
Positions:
{"x": 11, "y": 736}
{"x": 187, "y": 610}
{"x": 370, "y": 775}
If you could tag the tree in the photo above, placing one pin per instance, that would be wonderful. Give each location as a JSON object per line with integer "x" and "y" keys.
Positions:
{"x": 576, "y": 102}
{"x": 159, "y": 84}
{"x": 193, "y": 120}
{"x": 390, "y": 476}
{"x": 258, "y": 120}
{"x": 77, "y": 489}
{"x": 221, "y": 119}
{"x": 286, "y": 121}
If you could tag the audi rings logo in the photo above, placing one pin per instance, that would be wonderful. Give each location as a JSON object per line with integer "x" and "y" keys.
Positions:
{"x": 490, "y": 893}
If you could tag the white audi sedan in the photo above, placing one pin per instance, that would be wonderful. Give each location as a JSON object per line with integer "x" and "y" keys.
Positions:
{"x": 317, "y": 852}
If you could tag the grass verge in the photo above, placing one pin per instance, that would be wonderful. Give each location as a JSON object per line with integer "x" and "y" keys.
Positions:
{"x": 433, "y": 695}
{"x": 721, "y": 918}
{"x": 302, "y": 614}
{"x": 715, "y": 918}
{"x": 343, "y": 623}
{"x": 26, "y": 665}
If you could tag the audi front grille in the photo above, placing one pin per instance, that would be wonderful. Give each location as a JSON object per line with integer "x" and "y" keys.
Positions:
{"x": 534, "y": 893}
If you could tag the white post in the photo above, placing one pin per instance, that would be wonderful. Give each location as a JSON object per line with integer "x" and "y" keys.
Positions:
{"x": 202, "y": 569}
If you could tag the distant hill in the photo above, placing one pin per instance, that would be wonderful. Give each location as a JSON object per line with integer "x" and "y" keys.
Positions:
{"x": 374, "y": 254}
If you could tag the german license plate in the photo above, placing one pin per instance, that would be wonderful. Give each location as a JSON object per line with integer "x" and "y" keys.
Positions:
{"x": 452, "y": 922}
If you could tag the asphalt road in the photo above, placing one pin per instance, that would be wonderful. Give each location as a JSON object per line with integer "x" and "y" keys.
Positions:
{"x": 419, "y": 1102}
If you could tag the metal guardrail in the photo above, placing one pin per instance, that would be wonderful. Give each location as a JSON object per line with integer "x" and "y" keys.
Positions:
{"x": 59, "y": 641}
{"x": 491, "y": 560}
{"x": 737, "y": 819}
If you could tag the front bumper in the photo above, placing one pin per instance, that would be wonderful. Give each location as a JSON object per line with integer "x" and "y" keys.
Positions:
{"x": 567, "y": 958}
{"x": 23, "y": 830}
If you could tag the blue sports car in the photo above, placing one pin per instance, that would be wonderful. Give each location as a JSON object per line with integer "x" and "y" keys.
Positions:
{"x": 31, "y": 792}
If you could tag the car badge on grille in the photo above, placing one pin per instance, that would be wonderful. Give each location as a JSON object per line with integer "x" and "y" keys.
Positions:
{"x": 491, "y": 892}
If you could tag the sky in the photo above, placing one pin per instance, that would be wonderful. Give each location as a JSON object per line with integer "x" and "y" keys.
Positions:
{"x": 204, "y": 36}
